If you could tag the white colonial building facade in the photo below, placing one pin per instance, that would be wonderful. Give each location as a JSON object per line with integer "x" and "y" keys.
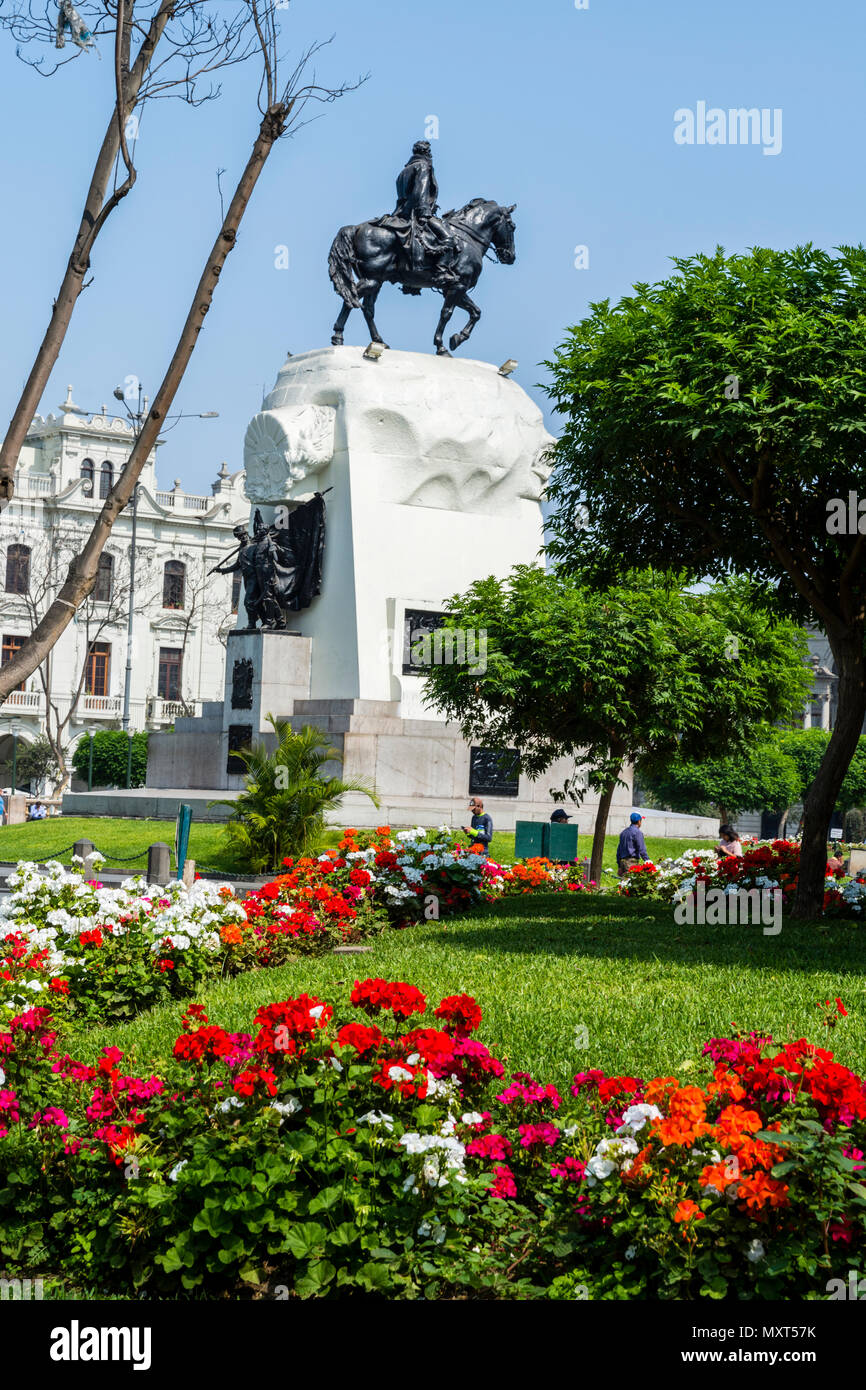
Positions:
{"x": 180, "y": 613}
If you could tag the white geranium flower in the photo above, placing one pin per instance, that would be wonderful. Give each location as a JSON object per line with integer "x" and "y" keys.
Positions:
{"x": 636, "y": 1116}
{"x": 755, "y": 1251}
{"x": 286, "y": 1107}
{"x": 631, "y": 1252}
{"x": 177, "y": 1170}
{"x": 471, "y": 1117}
{"x": 373, "y": 1117}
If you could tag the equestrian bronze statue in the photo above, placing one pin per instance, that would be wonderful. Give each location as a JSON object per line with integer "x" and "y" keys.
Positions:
{"x": 417, "y": 249}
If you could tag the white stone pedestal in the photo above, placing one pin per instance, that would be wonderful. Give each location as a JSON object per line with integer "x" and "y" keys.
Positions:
{"x": 436, "y": 467}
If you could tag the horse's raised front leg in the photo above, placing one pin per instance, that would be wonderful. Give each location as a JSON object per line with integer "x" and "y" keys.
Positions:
{"x": 342, "y": 317}
{"x": 474, "y": 313}
{"x": 369, "y": 291}
{"x": 448, "y": 306}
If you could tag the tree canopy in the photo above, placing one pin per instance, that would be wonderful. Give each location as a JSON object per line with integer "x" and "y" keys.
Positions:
{"x": 765, "y": 779}
{"x": 637, "y": 671}
{"x": 709, "y": 421}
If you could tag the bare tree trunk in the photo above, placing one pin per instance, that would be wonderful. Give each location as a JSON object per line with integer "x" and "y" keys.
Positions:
{"x": 824, "y": 791}
{"x": 93, "y": 217}
{"x": 82, "y": 571}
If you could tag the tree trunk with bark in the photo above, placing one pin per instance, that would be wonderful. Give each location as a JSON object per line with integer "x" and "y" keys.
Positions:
{"x": 596, "y": 861}
{"x": 83, "y": 569}
{"x": 824, "y": 791}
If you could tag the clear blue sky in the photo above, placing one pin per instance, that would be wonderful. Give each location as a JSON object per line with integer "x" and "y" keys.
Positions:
{"x": 569, "y": 113}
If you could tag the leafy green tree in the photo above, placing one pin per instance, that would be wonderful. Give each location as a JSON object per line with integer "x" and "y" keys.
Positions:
{"x": 710, "y": 421}
{"x": 38, "y": 762}
{"x": 764, "y": 777}
{"x": 634, "y": 673}
{"x": 807, "y": 748}
{"x": 110, "y": 753}
{"x": 281, "y": 810}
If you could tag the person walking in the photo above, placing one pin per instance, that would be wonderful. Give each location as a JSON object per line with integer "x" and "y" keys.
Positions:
{"x": 481, "y": 828}
{"x": 2, "y": 808}
{"x": 631, "y": 848}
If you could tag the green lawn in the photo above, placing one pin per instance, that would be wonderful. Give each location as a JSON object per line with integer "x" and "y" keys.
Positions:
{"x": 648, "y": 992}
{"x": 121, "y": 838}
{"x": 115, "y": 838}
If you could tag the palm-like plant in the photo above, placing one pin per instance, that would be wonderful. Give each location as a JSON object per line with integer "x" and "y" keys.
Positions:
{"x": 281, "y": 810}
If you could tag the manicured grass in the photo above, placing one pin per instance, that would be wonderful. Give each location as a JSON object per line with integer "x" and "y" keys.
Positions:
{"x": 115, "y": 838}
{"x": 649, "y": 993}
{"x": 121, "y": 838}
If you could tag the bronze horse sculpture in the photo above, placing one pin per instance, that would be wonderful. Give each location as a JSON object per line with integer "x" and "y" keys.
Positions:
{"x": 364, "y": 257}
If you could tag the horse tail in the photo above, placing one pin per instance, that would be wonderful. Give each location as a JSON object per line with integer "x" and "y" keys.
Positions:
{"x": 341, "y": 266}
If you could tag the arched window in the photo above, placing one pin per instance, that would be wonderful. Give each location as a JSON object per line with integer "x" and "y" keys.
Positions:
{"x": 87, "y": 474}
{"x": 173, "y": 584}
{"x": 18, "y": 569}
{"x": 106, "y": 479}
{"x": 104, "y": 579}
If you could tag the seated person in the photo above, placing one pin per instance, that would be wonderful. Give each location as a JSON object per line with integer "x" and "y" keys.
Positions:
{"x": 729, "y": 842}
{"x": 38, "y": 811}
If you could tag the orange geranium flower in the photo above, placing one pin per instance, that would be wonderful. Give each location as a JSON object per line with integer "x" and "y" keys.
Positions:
{"x": 230, "y": 934}
{"x": 754, "y": 1153}
{"x": 759, "y": 1191}
{"x": 383, "y": 830}
{"x": 726, "y": 1083}
{"x": 736, "y": 1121}
{"x": 686, "y": 1118}
{"x": 658, "y": 1090}
{"x": 688, "y": 1210}
{"x": 635, "y": 1171}
{"x": 717, "y": 1175}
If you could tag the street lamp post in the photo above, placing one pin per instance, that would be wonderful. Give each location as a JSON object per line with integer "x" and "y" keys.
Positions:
{"x": 137, "y": 417}
{"x": 16, "y": 729}
{"x": 90, "y": 763}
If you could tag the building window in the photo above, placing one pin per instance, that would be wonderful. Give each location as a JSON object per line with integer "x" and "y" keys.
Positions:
{"x": 11, "y": 644}
{"x": 98, "y": 668}
{"x": 87, "y": 474}
{"x": 104, "y": 579}
{"x": 18, "y": 569}
{"x": 236, "y": 590}
{"x": 106, "y": 479}
{"x": 170, "y": 665}
{"x": 173, "y": 584}
{"x": 493, "y": 772}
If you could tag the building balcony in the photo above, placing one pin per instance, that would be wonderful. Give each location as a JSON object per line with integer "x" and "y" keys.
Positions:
{"x": 184, "y": 501}
{"x": 164, "y": 712}
{"x": 100, "y": 706}
{"x": 24, "y": 702}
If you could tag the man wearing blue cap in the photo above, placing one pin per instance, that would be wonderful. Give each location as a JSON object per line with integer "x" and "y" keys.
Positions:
{"x": 632, "y": 845}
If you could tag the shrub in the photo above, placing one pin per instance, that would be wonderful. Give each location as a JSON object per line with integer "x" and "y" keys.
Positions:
{"x": 110, "y": 753}
{"x": 281, "y": 810}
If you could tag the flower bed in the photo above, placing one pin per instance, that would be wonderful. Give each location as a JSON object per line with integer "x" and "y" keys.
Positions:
{"x": 108, "y": 952}
{"x": 768, "y": 865}
{"x": 372, "y": 1146}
